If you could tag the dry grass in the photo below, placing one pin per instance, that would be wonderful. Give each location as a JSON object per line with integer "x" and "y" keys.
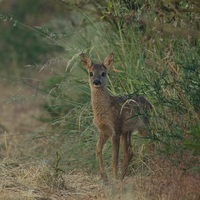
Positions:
{"x": 29, "y": 177}
{"x": 37, "y": 180}
{"x": 168, "y": 181}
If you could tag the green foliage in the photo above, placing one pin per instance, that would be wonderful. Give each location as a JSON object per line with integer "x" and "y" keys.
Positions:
{"x": 14, "y": 45}
{"x": 192, "y": 142}
{"x": 21, "y": 42}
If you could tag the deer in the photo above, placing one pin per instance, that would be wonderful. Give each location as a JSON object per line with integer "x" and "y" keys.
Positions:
{"x": 115, "y": 117}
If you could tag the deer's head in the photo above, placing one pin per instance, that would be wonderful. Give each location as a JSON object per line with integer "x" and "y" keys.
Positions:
{"x": 97, "y": 72}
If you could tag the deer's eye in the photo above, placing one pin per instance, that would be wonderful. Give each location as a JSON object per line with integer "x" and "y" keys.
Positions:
{"x": 90, "y": 74}
{"x": 103, "y": 74}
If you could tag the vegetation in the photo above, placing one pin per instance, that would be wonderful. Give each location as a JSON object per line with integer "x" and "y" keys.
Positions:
{"x": 154, "y": 57}
{"x": 157, "y": 50}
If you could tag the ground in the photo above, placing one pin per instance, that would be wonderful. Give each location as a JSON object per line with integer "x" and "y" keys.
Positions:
{"x": 27, "y": 173}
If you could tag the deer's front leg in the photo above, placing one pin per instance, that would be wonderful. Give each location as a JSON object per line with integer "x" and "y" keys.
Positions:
{"x": 99, "y": 147}
{"x": 115, "y": 153}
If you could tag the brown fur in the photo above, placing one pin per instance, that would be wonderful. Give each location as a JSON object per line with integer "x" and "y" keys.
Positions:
{"x": 115, "y": 117}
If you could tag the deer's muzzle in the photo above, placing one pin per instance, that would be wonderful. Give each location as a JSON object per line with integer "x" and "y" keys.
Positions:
{"x": 96, "y": 82}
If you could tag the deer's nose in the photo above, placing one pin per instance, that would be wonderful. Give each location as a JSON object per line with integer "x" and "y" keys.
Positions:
{"x": 96, "y": 82}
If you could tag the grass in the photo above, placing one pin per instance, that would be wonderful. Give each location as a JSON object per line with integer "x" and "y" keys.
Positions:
{"x": 57, "y": 160}
{"x": 38, "y": 181}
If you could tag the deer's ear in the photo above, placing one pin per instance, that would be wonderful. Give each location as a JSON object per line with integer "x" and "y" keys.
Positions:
{"x": 108, "y": 62}
{"x": 85, "y": 60}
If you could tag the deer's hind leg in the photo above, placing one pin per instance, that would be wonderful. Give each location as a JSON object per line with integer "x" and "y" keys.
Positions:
{"x": 130, "y": 149}
{"x": 115, "y": 153}
{"x": 127, "y": 151}
{"x": 99, "y": 147}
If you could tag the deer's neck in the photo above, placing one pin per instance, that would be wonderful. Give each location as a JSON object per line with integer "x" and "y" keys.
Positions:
{"x": 101, "y": 100}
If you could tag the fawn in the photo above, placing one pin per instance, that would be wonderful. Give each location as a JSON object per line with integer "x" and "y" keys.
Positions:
{"x": 115, "y": 117}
